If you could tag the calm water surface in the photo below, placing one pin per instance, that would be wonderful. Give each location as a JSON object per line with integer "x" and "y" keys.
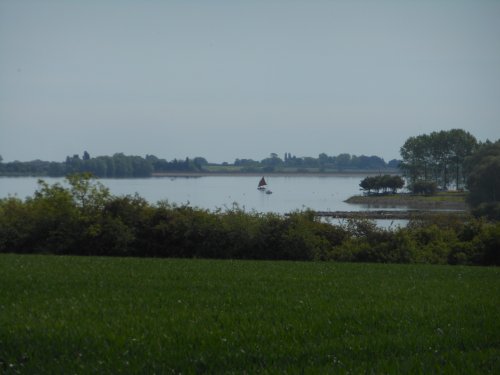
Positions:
{"x": 212, "y": 192}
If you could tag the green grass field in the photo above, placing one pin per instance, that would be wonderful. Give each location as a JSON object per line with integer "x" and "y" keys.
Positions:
{"x": 65, "y": 315}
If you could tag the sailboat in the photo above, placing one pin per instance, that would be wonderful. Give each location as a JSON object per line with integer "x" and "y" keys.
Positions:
{"x": 263, "y": 186}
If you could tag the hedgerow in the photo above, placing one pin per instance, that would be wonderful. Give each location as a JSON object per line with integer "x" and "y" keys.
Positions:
{"x": 85, "y": 219}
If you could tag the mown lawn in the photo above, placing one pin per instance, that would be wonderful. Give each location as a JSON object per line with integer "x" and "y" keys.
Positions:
{"x": 65, "y": 315}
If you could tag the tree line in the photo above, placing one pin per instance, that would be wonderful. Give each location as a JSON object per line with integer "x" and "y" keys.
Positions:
{"x": 83, "y": 218}
{"x": 121, "y": 165}
{"x": 117, "y": 166}
{"x": 323, "y": 162}
{"x": 385, "y": 183}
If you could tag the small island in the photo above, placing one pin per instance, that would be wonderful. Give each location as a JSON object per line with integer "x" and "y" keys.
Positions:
{"x": 422, "y": 199}
{"x": 404, "y": 206}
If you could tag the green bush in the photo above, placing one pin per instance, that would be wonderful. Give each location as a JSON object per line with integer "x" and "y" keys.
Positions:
{"x": 84, "y": 219}
{"x": 488, "y": 210}
{"x": 15, "y": 226}
{"x": 384, "y": 183}
{"x": 424, "y": 187}
{"x": 488, "y": 245}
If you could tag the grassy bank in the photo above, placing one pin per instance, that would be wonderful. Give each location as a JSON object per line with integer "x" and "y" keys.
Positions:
{"x": 116, "y": 315}
{"x": 442, "y": 200}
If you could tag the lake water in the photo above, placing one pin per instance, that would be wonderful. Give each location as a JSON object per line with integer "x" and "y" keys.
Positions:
{"x": 289, "y": 193}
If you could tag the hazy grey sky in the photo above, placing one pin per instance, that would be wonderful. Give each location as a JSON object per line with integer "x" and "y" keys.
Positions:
{"x": 228, "y": 79}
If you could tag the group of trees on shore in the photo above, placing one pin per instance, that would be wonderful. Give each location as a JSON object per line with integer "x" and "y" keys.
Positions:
{"x": 117, "y": 166}
{"x": 483, "y": 180}
{"x": 120, "y": 165}
{"x": 323, "y": 162}
{"x": 432, "y": 161}
{"x": 83, "y": 218}
{"x": 438, "y": 156}
{"x": 386, "y": 183}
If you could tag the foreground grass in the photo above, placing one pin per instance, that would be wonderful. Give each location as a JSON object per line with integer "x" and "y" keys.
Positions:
{"x": 113, "y": 315}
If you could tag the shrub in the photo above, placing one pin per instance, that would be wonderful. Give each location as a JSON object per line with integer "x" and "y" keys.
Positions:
{"x": 464, "y": 253}
{"x": 384, "y": 183}
{"x": 424, "y": 187}
{"x": 16, "y": 226}
{"x": 88, "y": 221}
{"x": 488, "y": 245}
{"x": 488, "y": 210}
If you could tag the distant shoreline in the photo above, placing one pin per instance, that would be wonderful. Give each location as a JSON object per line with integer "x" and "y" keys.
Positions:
{"x": 271, "y": 174}
{"x": 172, "y": 174}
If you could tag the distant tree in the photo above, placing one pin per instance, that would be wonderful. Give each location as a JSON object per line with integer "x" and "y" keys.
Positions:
{"x": 73, "y": 164}
{"x": 140, "y": 167}
{"x": 483, "y": 181}
{"x": 415, "y": 154}
{"x": 385, "y": 183}
{"x": 322, "y": 159}
{"x": 343, "y": 161}
{"x": 394, "y": 164}
{"x": 110, "y": 166}
{"x": 369, "y": 162}
{"x": 86, "y": 155}
{"x": 247, "y": 164}
{"x": 310, "y": 162}
{"x": 123, "y": 167}
{"x": 462, "y": 145}
{"x": 200, "y": 162}
{"x": 272, "y": 162}
{"x": 97, "y": 166}
{"x": 394, "y": 183}
{"x": 56, "y": 169}
{"x": 424, "y": 187}
{"x": 292, "y": 161}
{"x": 368, "y": 184}
{"x": 437, "y": 156}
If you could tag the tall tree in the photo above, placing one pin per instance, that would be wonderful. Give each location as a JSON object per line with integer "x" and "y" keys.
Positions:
{"x": 343, "y": 161}
{"x": 462, "y": 144}
{"x": 413, "y": 153}
{"x": 483, "y": 180}
{"x": 436, "y": 156}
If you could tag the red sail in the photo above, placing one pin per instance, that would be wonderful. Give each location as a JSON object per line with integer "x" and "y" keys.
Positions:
{"x": 262, "y": 182}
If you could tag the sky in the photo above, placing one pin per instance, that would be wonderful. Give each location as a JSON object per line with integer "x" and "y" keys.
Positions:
{"x": 243, "y": 79}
